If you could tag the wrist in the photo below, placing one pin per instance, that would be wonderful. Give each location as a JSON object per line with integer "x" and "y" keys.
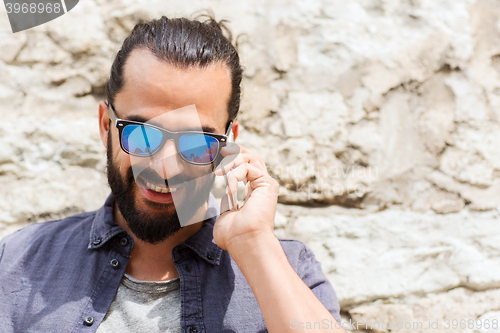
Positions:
{"x": 253, "y": 246}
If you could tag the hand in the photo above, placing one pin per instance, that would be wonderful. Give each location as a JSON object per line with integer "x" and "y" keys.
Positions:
{"x": 247, "y": 234}
{"x": 256, "y": 218}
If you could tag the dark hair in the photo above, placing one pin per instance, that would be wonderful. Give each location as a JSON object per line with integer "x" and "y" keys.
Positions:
{"x": 182, "y": 43}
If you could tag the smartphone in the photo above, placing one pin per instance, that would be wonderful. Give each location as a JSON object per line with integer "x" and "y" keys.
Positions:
{"x": 232, "y": 199}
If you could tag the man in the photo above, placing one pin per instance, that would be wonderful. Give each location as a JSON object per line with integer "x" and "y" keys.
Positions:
{"x": 152, "y": 259}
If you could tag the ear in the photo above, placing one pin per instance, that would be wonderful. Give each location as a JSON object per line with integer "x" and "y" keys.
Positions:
{"x": 103, "y": 123}
{"x": 235, "y": 129}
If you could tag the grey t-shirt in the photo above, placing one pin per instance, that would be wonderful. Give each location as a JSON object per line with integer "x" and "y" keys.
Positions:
{"x": 144, "y": 306}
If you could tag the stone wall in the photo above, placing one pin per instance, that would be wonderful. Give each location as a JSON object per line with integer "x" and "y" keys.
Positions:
{"x": 380, "y": 119}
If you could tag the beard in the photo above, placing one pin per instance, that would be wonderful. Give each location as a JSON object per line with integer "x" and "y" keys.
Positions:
{"x": 152, "y": 226}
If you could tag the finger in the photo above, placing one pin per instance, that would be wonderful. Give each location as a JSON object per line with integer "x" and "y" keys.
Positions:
{"x": 228, "y": 164}
{"x": 248, "y": 190}
{"x": 257, "y": 157}
{"x": 228, "y": 155}
{"x": 224, "y": 167}
{"x": 232, "y": 183}
{"x": 224, "y": 204}
{"x": 266, "y": 185}
{"x": 245, "y": 172}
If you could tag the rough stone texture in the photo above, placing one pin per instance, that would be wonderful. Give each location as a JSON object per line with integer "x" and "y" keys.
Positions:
{"x": 367, "y": 104}
{"x": 399, "y": 266}
{"x": 402, "y": 252}
{"x": 432, "y": 313}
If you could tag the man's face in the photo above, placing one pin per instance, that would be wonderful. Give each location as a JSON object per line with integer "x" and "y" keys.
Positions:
{"x": 154, "y": 91}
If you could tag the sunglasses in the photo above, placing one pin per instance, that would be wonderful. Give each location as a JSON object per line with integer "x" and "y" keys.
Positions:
{"x": 143, "y": 140}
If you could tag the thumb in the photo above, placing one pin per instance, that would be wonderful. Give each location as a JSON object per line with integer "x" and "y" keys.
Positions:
{"x": 224, "y": 204}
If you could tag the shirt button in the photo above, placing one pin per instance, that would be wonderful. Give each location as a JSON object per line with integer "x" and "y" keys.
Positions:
{"x": 210, "y": 256}
{"x": 89, "y": 321}
{"x": 97, "y": 242}
{"x": 192, "y": 329}
{"x": 124, "y": 241}
{"x": 114, "y": 263}
{"x": 187, "y": 268}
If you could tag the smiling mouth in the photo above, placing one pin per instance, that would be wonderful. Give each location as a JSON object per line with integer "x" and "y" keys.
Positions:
{"x": 158, "y": 188}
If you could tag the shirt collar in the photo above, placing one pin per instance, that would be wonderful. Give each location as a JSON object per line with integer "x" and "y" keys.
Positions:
{"x": 104, "y": 228}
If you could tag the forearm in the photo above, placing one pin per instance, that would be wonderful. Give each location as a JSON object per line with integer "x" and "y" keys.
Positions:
{"x": 284, "y": 299}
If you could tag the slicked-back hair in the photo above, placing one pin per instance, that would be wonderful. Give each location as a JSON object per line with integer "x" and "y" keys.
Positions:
{"x": 182, "y": 43}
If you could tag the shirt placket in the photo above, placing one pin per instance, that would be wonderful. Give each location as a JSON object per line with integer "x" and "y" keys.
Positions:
{"x": 191, "y": 305}
{"x": 105, "y": 290}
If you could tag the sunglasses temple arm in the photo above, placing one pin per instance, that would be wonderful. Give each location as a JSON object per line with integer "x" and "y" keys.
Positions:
{"x": 111, "y": 114}
{"x": 229, "y": 128}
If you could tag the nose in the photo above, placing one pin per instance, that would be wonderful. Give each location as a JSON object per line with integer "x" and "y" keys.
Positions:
{"x": 167, "y": 161}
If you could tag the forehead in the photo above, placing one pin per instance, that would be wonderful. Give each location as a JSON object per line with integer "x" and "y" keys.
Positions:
{"x": 155, "y": 89}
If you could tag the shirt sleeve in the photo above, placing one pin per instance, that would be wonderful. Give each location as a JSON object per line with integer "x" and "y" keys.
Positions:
{"x": 310, "y": 272}
{"x": 2, "y": 247}
{"x": 6, "y": 298}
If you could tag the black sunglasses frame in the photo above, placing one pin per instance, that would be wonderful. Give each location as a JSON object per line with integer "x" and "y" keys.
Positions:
{"x": 120, "y": 124}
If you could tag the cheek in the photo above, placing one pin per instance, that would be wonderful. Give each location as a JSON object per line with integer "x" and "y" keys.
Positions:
{"x": 200, "y": 173}
{"x": 114, "y": 146}
{"x": 205, "y": 182}
{"x": 120, "y": 159}
{"x": 117, "y": 151}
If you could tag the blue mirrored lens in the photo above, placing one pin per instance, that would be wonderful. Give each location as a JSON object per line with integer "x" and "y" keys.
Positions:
{"x": 198, "y": 148}
{"x": 141, "y": 140}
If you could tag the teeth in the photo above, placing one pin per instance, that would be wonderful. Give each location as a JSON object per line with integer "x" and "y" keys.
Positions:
{"x": 160, "y": 189}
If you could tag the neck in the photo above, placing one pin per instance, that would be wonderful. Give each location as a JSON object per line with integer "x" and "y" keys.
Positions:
{"x": 153, "y": 262}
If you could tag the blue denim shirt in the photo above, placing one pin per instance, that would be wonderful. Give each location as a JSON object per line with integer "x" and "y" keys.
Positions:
{"x": 62, "y": 276}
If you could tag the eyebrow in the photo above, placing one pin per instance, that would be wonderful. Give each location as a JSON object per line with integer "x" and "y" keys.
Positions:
{"x": 206, "y": 129}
